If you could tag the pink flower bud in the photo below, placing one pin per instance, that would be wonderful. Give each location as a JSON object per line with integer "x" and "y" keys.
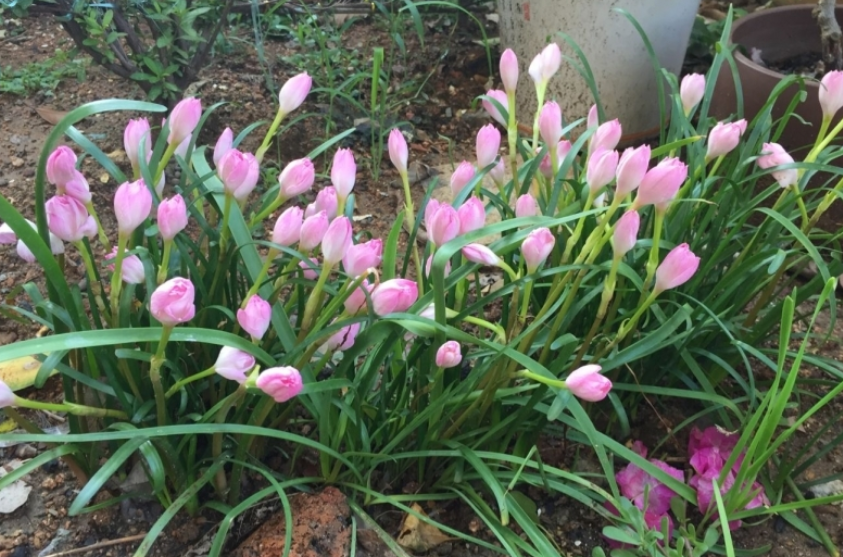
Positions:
{"x": 337, "y": 240}
{"x": 488, "y": 144}
{"x": 602, "y": 165}
{"x": 361, "y": 257}
{"x": 183, "y": 120}
{"x": 562, "y": 149}
{"x": 546, "y": 64}
{"x": 132, "y": 205}
{"x": 676, "y": 269}
{"x": 497, "y": 173}
{"x": 68, "y": 219}
{"x": 254, "y": 318}
{"x": 356, "y": 301}
{"x": 607, "y": 136}
{"x": 308, "y": 270}
{"x": 77, "y": 188}
{"x": 172, "y": 217}
{"x": 24, "y": 252}
{"x": 546, "y": 167}
{"x": 772, "y": 155}
{"x": 131, "y": 268}
{"x": 7, "y": 396}
{"x": 480, "y": 254}
{"x": 342, "y": 339}
{"x": 343, "y": 173}
{"x": 430, "y": 209}
{"x": 631, "y": 170}
{"x": 492, "y": 109}
{"x": 449, "y": 354}
{"x": 593, "y": 119}
{"x": 312, "y": 231}
{"x": 536, "y": 248}
{"x": 661, "y": 183}
{"x": 287, "y": 230}
{"x": 831, "y": 93}
{"x": 234, "y": 364}
{"x": 394, "y": 296}
{"x": 550, "y": 123}
{"x": 239, "y": 173}
{"x": 509, "y": 71}
{"x": 691, "y": 91}
{"x": 472, "y": 215}
{"x": 137, "y": 132}
{"x": 7, "y": 235}
{"x": 587, "y": 383}
{"x": 61, "y": 166}
{"x": 428, "y": 266}
{"x": 326, "y": 200}
{"x": 461, "y": 177}
{"x": 444, "y": 225}
{"x": 225, "y": 143}
{"x": 724, "y": 137}
{"x": 296, "y": 178}
{"x": 293, "y": 92}
{"x": 526, "y": 206}
{"x": 626, "y": 233}
{"x": 172, "y": 302}
{"x": 280, "y": 383}
{"x": 398, "y": 151}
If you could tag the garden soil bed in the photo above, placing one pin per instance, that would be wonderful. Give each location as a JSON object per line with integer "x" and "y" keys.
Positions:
{"x": 443, "y": 132}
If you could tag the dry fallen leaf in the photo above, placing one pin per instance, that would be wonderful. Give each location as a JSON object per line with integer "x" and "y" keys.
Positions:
{"x": 50, "y": 115}
{"x": 417, "y": 535}
{"x": 20, "y": 372}
{"x": 13, "y": 496}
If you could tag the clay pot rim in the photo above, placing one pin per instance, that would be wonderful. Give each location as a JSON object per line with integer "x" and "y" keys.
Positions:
{"x": 748, "y": 19}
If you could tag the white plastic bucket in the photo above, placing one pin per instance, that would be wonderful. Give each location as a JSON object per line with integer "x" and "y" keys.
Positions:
{"x": 622, "y": 68}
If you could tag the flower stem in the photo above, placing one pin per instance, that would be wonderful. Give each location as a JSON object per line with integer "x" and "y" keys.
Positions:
{"x": 575, "y": 236}
{"x": 653, "y": 261}
{"x": 226, "y": 214}
{"x": 162, "y": 164}
{"x": 216, "y": 443}
{"x": 100, "y": 230}
{"x": 117, "y": 279}
{"x": 187, "y": 380}
{"x": 70, "y": 408}
{"x": 165, "y": 261}
{"x": 559, "y": 384}
{"x": 315, "y": 300}
{"x": 410, "y": 220}
{"x": 261, "y": 275}
{"x": 269, "y": 135}
{"x": 155, "y": 376}
{"x": 277, "y": 202}
{"x": 512, "y": 139}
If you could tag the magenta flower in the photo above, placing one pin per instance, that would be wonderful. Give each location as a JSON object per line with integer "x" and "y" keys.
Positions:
{"x": 343, "y": 173}
{"x": 492, "y": 109}
{"x": 131, "y": 268}
{"x": 635, "y": 483}
{"x": 607, "y": 136}
{"x": 536, "y": 248}
{"x": 61, "y": 166}
{"x": 661, "y": 184}
{"x": 472, "y": 215}
{"x": 172, "y": 302}
{"x": 526, "y": 206}
{"x": 7, "y": 396}
{"x": 602, "y": 165}
{"x": 77, "y": 188}
{"x": 312, "y": 231}
{"x": 632, "y": 168}
{"x": 398, "y": 151}
{"x": 676, "y": 269}
{"x": 691, "y": 91}
{"x": 773, "y": 155}
{"x": 239, "y": 173}
{"x": 280, "y": 383}
{"x": 183, "y": 120}
{"x": 326, "y": 200}
{"x": 68, "y": 219}
{"x": 293, "y": 92}
{"x": 626, "y": 233}
{"x": 137, "y": 132}
{"x": 588, "y": 384}
{"x": 234, "y": 364}
{"x": 172, "y": 217}
{"x": 488, "y": 144}
{"x": 509, "y": 71}
{"x": 255, "y": 317}
{"x": 480, "y": 254}
{"x": 393, "y": 296}
{"x": 449, "y": 354}
{"x": 224, "y": 144}
{"x": 724, "y": 137}
{"x": 356, "y": 301}
{"x": 296, "y": 178}
{"x": 132, "y": 205}
{"x": 831, "y": 93}
{"x": 461, "y": 177}
{"x": 361, "y": 257}
{"x": 545, "y": 64}
{"x": 337, "y": 240}
{"x": 550, "y": 123}
{"x": 287, "y": 230}
{"x": 343, "y": 339}
{"x": 443, "y": 225}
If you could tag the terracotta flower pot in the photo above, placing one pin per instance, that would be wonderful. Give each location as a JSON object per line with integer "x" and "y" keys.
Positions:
{"x": 780, "y": 34}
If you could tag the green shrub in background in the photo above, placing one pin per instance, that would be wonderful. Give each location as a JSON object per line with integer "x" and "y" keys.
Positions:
{"x": 389, "y": 362}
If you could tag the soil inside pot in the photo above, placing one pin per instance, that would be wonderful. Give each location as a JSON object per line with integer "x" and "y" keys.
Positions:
{"x": 808, "y": 64}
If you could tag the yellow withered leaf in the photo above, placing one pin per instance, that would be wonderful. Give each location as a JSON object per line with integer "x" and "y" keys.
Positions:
{"x": 418, "y": 535}
{"x": 20, "y": 373}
